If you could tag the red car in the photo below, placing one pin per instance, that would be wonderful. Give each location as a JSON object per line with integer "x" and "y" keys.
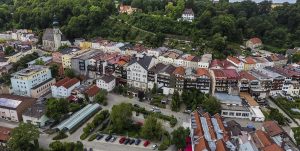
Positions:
{"x": 146, "y": 143}
{"x": 121, "y": 141}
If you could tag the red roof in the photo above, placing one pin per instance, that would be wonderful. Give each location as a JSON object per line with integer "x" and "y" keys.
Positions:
{"x": 67, "y": 82}
{"x": 273, "y": 147}
{"x": 261, "y": 139}
{"x": 221, "y": 63}
{"x": 4, "y": 133}
{"x": 255, "y": 40}
{"x": 246, "y": 75}
{"x": 202, "y": 71}
{"x": 272, "y": 128}
{"x": 220, "y": 145}
{"x": 250, "y": 60}
{"x": 92, "y": 91}
{"x": 61, "y": 82}
{"x": 234, "y": 59}
{"x": 179, "y": 70}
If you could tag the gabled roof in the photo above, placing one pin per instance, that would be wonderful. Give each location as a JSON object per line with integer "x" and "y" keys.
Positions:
{"x": 92, "y": 91}
{"x": 255, "y": 40}
{"x": 157, "y": 68}
{"x": 234, "y": 59}
{"x": 249, "y": 60}
{"x": 261, "y": 139}
{"x": 246, "y": 75}
{"x": 61, "y": 82}
{"x": 143, "y": 61}
{"x": 4, "y": 134}
{"x": 202, "y": 71}
{"x": 179, "y": 70}
{"x": 108, "y": 78}
{"x": 272, "y": 128}
{"x": 188, "y": 11}
{"x": 273, "y": 147}
{"x": 66, "y": 82}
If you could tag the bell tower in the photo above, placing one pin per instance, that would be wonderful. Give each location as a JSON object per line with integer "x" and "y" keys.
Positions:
{"x": 56, "y": 33}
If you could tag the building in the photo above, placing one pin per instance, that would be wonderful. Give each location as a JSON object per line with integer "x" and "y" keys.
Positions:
{"x": 44, "y": 60}
{"x": 137, "y": 71}
{"x": 53, "y": 37}
{"x": 249, "y": 63}
{"x": 254, "y": 43}
{"x": 200, "y": 80}
{"x": 34, "y": 81}
{"x": 236, "y": 62}
{"x": 278, "y": 59}
{"x": 188, "y": 15}
{"x": 246, "y": 81}
{"x": 256, "y": 113}
{"x": 64, "y": 87}
{"x": 91, "y": 92}
{"x": 225, "y": 80}
{"x": 179, "y": 74}
{"x": 209, "y": 133}
{"x": 36, "y": 114}
{"x": 57, "y": 56}
{"x": 13, "y": 106}
{"x": 126, "y": 9}
{"x": 205, "y": 61}
{"x": 4, "y": 135}
{"x": 291, "y": 88}
{"x": 107, "y": 82}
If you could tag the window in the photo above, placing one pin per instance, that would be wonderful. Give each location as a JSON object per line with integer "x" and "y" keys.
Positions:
{"x": 225, "y": 113}
{"x": 238, "y": 114}
{"x": 231, "y": 113}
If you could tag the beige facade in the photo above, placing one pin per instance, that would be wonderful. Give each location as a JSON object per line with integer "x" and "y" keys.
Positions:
{"x": 43, "y": 88}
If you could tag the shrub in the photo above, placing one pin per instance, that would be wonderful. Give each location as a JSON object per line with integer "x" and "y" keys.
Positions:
{"x": 60, "y": 135}
{"x": 92, "y": 137}
{"x": 173, "y": 121}
{"x": 84, "y": 136}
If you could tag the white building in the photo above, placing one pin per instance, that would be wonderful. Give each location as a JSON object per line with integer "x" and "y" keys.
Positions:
{"x": 64, "y": 87}
{"x": 32, "y": 77}
{"x": 188, "y": 15}
{"x": 205, "y": 61}
{"x": 137, "y": 71}
{"x": 291, "y": 88}
{"x": 107, "y": 82}
{"x": 36, "y": 115}
{"x": 12, "y": 106}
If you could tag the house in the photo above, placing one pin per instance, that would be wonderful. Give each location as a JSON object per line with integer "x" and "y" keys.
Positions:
{"x": 4, "y": 135}
{"x": 246, "y": 81}
{"x": 200, "y": 80}
{"x": 179, "y": 74}
{"x": 249, "y": 63}
{"x": 91, "y": 92}
{"x": 137, "y": 71}
{"x": 165, "y": 79}
{"x": 188, "y": 15}
{"x": 224, "y": 80}
{"x": 120, "y": 71}
{"x": 205, "y": 61}
{"x": 44, "y": 59}
{"x": 57, "y": 56}
{"x": 126, "y": 9}
{"x": 13, "y": 106}
{"x": 278, "y": 59}
{"x": 53, "y": 37}
{"x": 64, "y": 87}
{"x": 236, "y": 62}
{"x": 33, "y": 81}
{"x": 36, "y": 114}
{"x": 254, "y": 43}
{"x": 107, "y": 82}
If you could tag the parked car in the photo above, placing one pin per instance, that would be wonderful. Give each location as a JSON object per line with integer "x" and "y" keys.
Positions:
{"x": 113, "y": 139}
{"x": 146, "y": 143}
{"x": 122, "y": 140}
{"x": 84, "y": 149}
{"x": 137, "y": 142}
{"x": 154, "y": 146}
{"x": 99, "y": 136}
{"x": 127, "y": 141}
{"x": 91, "y": 149}
{"x": 108, "y": 138}
{"x": 187, "y": 111}
{"x": 131, "y": 141}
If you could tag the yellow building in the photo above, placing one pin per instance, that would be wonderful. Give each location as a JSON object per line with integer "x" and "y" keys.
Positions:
{"x": 66, "y": 58}
{"x": 249, "y": 63}
{"x": 85, "y": 45}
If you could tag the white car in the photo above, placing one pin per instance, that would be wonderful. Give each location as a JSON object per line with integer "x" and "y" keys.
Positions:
{"x": 154, "y": 146}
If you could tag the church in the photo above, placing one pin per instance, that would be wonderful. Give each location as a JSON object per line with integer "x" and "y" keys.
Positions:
{"x": 53, "y": 37}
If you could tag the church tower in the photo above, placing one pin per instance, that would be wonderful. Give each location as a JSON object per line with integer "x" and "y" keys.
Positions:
{"x": 56, "y": 33}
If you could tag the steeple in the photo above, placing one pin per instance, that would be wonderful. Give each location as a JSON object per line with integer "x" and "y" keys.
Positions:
{"x": 55, "y": 23}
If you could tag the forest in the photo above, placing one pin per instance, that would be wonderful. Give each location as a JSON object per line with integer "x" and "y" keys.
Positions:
{"x": 216, "y": 26}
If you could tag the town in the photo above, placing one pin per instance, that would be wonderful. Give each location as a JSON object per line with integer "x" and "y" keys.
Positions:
{"x": 101, "y": 94}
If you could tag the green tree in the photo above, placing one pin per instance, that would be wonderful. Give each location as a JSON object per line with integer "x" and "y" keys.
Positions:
{"x": 296, "y": 131}
{"x": 296, "y": 57}
{"x": 55, "y": 108}
{"x": 39, "y": 62}
{"x": 101, "y": 97}
{"x": 175, "y": 104}
{"x": 277, "y": 116}
{"x": 179, "y": 135}
{"x": 54, "y": 70}
{"x": 57, "y": 146}
{"x": 152, "y": 129}
{"x": 23, "y": 136}
{"x": 69, "y": 73}
{"x": 9, "y": 50}
{"x": 154, "y": 89}
{"x": 211, "y": 105}
{"x": 121, "y": 116}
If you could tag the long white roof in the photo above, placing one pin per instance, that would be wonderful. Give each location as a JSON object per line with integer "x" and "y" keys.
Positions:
{"x": 9, "y": 103}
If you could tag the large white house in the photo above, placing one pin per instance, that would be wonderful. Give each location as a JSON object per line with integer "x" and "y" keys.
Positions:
{"x": 137, "y": 71}
{"x": 188, "y": 15}
{"x": 107, "y": 82}
{"x": 64, "y": 87}
{"x": 31, "y": 78}
{"x": 36, "y": 115}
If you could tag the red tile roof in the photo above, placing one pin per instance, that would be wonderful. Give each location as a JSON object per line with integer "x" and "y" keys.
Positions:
{"x": 234, "y": 59}
{"x": 202, "y": 145}
{"x": 220, "y": 145}
{"x": 246, "y": 75}
{"x": 202, "y": 71}
{"x": 249, "y": 60}
{"x": 61, "y": 82}
{"x": 273, "y": 147}
{"x": 261, "y": 139}
{"x": 221, "y": 63}
{"x": 67, "y": 82}
{"x": 222, "y": 127}
{"x": 255, "y": 40}
{"x": 272, "y": 128}
{"x": 92, "y": 91}
{"x": 4, "y": 134}
{"x": 231, "y": 73}
{"x": 179, "y": 70}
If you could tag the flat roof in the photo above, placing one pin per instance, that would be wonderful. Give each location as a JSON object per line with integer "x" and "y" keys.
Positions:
{"x": 257, "y": 112}
{"x": 228, "y": 99}
{"x": 248, "y": 99}
{"x": 234, "y": 108}
{"x": 30, "y": 70}
{"x": 9, "y": 103}
{"x": 43, "y": 58}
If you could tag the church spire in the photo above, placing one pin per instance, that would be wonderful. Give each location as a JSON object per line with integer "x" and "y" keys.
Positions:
{"x": 55, "y": 21}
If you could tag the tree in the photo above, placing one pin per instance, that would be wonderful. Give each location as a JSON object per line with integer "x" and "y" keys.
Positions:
{"x": 66, "y": 146}
{"x": 175, "y": 104}
{"x": 39, "y": 62}
{"x": 296, "y": 131}
{"x": 211, "y": 105}
{"x": 54, "y": 70}
{"x": 121, "y": 116}
{"x": 23, "y": 136}
{"x": 9, "y": 50}
{"x": 154, "y": 89}
{"x": 57, "y": 146}
{"x": 296, "y": 57}
{"x": 69, "y": 73}
{"x": 152, "y": 129}
{"x": 55, "y": 108}
{"x": 179, "y": 136}
{"x": 101, "y": 97}
{"x": 277, "y": 116}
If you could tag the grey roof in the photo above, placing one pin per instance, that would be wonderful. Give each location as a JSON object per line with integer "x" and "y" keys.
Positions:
{"x": 37, "y": 110}
{"x": 169, "y": 69}
{"x": 2, "y": 59}
{"x": 144, "y": 61}
{"x": 108, "y": 78}
{"x": 158, "y": 67}
{"x": 69, "y": 50}
{"x": 228, "y": 99}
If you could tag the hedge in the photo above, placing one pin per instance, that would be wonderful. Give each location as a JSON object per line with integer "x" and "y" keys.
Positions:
{"x": 92, "y": 137}
{"x": 60, "y": 135}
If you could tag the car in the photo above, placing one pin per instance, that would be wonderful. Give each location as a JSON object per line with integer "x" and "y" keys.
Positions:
{"x": 131, "y": 141}
{"x": 108, "y": 138}
{"x": 187, "y": 111}
{"x": 155, "y": 108}
{"x": 99, "y": 136}
{"x": 136, "y": 105}
{"x": 146, "y": 143}
{"x": 84, "y": 149}
{"x": 126, "y": 141}
{"x": 154, "y": 146}
{"x": 114, "y": 138}
{"x": 122, "y": 140}
{"x": 91, "y": 149}
{"x": 138, "y": 141}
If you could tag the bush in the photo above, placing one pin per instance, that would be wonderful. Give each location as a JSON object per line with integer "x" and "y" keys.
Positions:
{"x": 173, "y": 121}
{"x": 163, "y": 147}
{"x": 92, "y": 137}
{"x": 166, "y": 141}
{"x": 84, "y": 136}
{"x": 60, "y": 135}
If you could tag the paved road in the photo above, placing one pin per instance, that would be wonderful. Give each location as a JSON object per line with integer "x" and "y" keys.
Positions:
{"x": 8, "y": 124}
{"x": 273, "y": 105}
